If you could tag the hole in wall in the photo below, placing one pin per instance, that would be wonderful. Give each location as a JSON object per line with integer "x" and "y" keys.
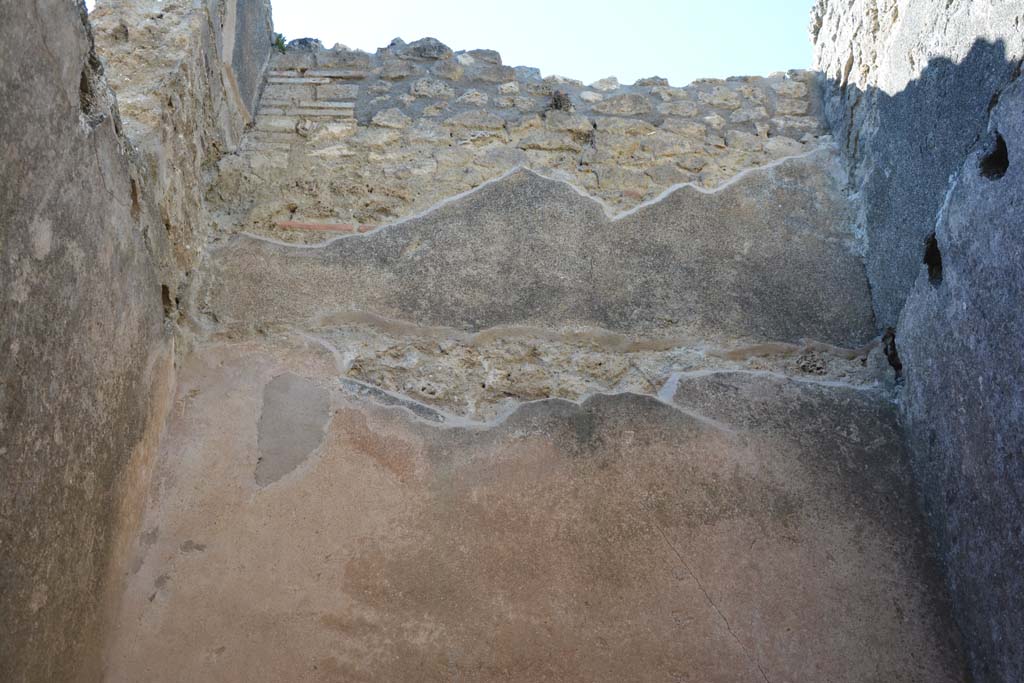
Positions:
{"x": 891, "y": 353}
{"x": 933, "y": 259}
{"x": 994, "y": 164}
{"x": 165, "y": 296}
{"x": 136, "y": 200}
{"x": 89, "y": 102}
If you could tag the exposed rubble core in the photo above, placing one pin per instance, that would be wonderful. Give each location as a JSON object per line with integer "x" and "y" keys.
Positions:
{"x": 324, "y": 365}
{"x": 345, "y": 138}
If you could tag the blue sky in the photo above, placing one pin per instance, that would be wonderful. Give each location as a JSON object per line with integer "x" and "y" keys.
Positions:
{"x": 680, "y": 40}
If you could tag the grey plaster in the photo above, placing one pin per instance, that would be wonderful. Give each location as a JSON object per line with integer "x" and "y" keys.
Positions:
{"x": 252, "y": 46}
{"x": 770, "y": 256}
{"x": 291, "y": 427}
{"x": 961, "y": 339}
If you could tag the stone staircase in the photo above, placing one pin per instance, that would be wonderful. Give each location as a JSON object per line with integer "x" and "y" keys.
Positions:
{"x": 531, "y": 435}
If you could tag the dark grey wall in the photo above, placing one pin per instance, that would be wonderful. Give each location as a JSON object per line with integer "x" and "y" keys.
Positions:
{"x": 253, "y": 35}
{"x": 961, "y": 339}
{"x": 81, "y": 338}
{"x": 928, "y": 162}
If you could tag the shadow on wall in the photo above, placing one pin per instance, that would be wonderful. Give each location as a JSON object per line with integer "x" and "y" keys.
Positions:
{"x": 940, "y": 171}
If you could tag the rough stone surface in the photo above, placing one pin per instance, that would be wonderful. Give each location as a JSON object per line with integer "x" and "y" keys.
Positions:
{"x": 590, "y": 388}
{"x": 314, "y": 166}
{"x": 84, "y": 357}
{"x": 960, "y": 340}
{"x": 768, "y": 257}
{"x": 754, "y": 529}
{"x": 918, "y": 92}
{"x": 908, "y": 89}
{"x": 187, "y": 76}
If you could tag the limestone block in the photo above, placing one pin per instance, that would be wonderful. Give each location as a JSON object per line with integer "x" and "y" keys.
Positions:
{"x": 624, "y": 105}
{"x": 491, "y": 73}
{"x": 428, "y": 87}
{"x": 474, "y": 97}
{"x": 743, "y": 141}
{"x": 477, "y": 119}
{"x": 556, "y": 81}
{"x": 694, "y": 161}
{"x": 285, "y": 124}
{"x": 448, "y": 69}
{"x": 550, "y": 141}
{"x": 715, "y": 121}
{"x": 486, "y": 56}
{"x": 398, "y": 69}
{"x": 780, "y": 146}
{"x": 340, "y": 57}
{"x": 391, "y": 118}
{"x": 501, "y": 157}
{"x": 590, "y": 97}
{"x": 426, "y": 49}
{"x": 298, "y": 81}
{"x": 426, "y": 131}
{"x": 790, "y": 88}
{"x": 680, "y": 109}
{"x": 721, "y": 97}
{"x": 567, "y": 121}
{"x": 753, "y": 93}
{"x": 651, "y": 81}
{"x": 789, "y": 107}
{"x": 685, "y": 127}
{"x": 668, "y": 174}
{"x": 748, "y": 114}
{"x": 435, "y": 109}
{"x": 669, "y": 94}
{"x": 376, "y": 138}
{"x": 606, "y": 84}
{"x": 337, "y": 91}
{"x": 287, "y": 92}
{"x": 343, "y": 74}
{"x": 623, "y": 126}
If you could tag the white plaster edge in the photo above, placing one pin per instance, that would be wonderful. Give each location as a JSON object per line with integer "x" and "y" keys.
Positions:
{"x": 608, "y": 210}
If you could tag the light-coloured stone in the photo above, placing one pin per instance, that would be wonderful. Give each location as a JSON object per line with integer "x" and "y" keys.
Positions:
{"x": 474, "y": 97}
{"x": 790, "y": 88}
{"x": 606, "y": 84}
{"x": 391, "y": 118}
{"x": 477, "y": 119}
{"x": 788, "y": 107}
{"x": 680, "y": 109}
{"x": 550, "y": 141}
{"x": 624, "y": 105}
{"x": 740, "y": 140}
{"x": 562, "y": 120}
{"x": 721, "y": 97}
{"x": 429, "y": 87}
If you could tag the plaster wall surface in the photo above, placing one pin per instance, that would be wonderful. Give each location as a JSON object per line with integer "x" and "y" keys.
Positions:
{"x": 85, "y": 369}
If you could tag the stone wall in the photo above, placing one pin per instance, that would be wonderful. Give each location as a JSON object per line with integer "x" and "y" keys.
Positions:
{"x": 345, "y": 138}
{"x": 188, "y": 76}
{"x": 85, "y": 357}
{"x": 925, "y": 96}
